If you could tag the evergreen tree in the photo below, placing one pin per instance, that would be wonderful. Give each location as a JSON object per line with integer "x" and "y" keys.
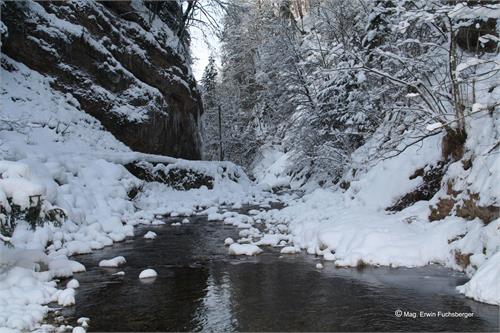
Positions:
{"x": 209, "y": 82}
{"x": 210, "y": 126}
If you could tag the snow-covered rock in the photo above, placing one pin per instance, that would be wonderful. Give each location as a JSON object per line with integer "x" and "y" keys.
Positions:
{"x": 78, "y": 329}
{"x": 150, "y": 235}
{"x": 73, "y": 283}
{"x": 290, "y": 250}
{"x": 84, "y": 321}
{"x": 66, "y": 297}
{"x": 148, "y": 273}
{"x": 485, "y": 283}
{"x": 244, "y": 249}
{"x": 114, "y": 262}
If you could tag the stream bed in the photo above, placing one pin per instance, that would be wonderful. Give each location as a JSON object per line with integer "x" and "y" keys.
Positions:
{"x": 201, "y": 288}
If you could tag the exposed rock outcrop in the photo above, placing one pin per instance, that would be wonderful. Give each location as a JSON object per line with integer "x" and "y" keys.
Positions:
{"x": 122, "y": 60}
{"x": 431, "y": 183}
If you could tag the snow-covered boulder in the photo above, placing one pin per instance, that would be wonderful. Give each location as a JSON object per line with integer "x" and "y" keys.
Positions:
{"x": 148, "y": 273}
{"x": 114, "y": 262}
{"x": 244, "y": 249}
{"x": 150, "y": 235}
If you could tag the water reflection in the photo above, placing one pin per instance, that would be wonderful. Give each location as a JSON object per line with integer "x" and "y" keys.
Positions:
{"x": 215, "y": 312}
{"x": 200, "y": 288}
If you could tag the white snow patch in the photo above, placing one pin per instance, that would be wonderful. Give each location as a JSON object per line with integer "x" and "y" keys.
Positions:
{"x": 150, "y": 235}
{"x": 485, "y": 283}
{"x": 434, "y": 126}
{"x": 66, "y": 297}
{"x": 270, "y": 169}
{"x": 244, "y": 249}
{"x": 290, "y": 250}
{"x": 78, "y": 329}
{"x": 73, "y": 283}
{"x": 114, "y": 262}
{"x": 148, "y": 273}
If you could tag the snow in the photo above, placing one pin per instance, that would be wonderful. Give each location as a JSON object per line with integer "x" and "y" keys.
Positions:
{"x": 228, "y": 241}
{"x": 148, "y": 273}
{"x": 73, "y": 284}
{"x": 150, "y": 235}
{"x": 323, "y": 224}
{"x": 412, "y": 95}
{"x": 18, "y": 184}
{"x": 434, "y": 126}
{"x": 271, "y": 168}
{"x": 83, "y": 321}
{"x": 290, "y": 250}
{"x": 244, "y": 249}
{"x": 78, "y": 329}
{"x": 383, "y": 183}
{"x": 66, "y": 297}
{"x": 114, "y": 262}
{"x": 485, "y": 284}
{"x": 22, "y": 293}
{"x": 319, "y": 266}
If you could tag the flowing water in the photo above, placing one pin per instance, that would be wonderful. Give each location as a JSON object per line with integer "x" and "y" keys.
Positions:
{"x": 201, "y": 288}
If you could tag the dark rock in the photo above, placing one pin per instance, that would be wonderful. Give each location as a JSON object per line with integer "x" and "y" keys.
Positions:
{"x": 442, "y": 209}
{"x": 176, "y": 177}
{"x": 469, "y": 209}
{"x": 430, "y": 186}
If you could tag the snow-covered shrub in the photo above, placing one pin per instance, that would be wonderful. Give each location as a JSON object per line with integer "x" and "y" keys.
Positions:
{"x": 23, "y": 197}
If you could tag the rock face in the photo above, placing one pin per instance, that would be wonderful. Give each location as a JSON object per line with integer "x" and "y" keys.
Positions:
{"x": 122, "y": 60}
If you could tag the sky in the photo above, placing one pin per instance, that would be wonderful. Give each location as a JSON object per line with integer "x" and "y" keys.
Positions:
{"x": 203, "y": 43}
{"x": 201, "y": 50}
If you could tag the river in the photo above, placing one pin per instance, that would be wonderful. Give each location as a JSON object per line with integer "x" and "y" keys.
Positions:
{"x": 201, "y": 288}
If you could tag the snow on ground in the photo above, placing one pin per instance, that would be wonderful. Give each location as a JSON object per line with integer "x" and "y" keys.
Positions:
{"x": 270, "y": 169}
{"x": 52, "y": 151}
{"x": 484, "y": 285}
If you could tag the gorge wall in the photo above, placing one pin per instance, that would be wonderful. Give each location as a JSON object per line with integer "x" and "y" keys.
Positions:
{"x": 123, "y": 61}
